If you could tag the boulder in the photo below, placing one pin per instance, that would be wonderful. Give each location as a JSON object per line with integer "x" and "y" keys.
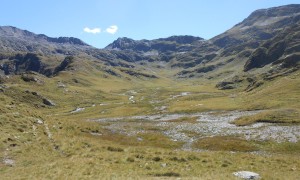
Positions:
{"x": 39, "y": 121}
{"x": 246, "y": 175}
{"x": 48, "y": 102}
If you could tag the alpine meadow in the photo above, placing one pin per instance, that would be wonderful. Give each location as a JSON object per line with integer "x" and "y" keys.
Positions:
{"x": 178, "y": 107}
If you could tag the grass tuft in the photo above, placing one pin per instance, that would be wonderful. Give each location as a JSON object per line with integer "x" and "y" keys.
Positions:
{"x": 225, "y": 143}
{"x": 115, "y": 149}
{"x": 287, "y": 116}
{"x": 167, "y": 174}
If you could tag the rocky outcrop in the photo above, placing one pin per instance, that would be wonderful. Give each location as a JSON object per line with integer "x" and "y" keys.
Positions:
{"x": 40, "y": 97}
{"x": 31, "y": 77}
{"x": 292, "y": 60}
{"x": 225, "y": 85}
{"x": 258, "y": 59}
{"x": 66, "y": 63}
{"x": 20, "y": 63}
{"x": 138, "y": 74}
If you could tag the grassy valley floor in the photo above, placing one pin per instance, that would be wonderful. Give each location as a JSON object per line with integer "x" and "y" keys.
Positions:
{"x": 114, "y": 128}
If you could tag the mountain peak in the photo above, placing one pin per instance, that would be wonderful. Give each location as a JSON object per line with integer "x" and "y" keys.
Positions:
{"x": 121, "y": 43}
{"x": 271, "y": 15}
{"x": 14, "y": 32}
{"x": 262, "y": 24}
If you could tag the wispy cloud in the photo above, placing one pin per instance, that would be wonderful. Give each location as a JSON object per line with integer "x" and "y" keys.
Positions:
{"x": 112, "y": 29}
{"x": 93, "y": 31}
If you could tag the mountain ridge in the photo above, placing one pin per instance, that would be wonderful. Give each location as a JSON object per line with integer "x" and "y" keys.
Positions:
{"x": 12, "y": 31}
{"x": 244, "y": 46}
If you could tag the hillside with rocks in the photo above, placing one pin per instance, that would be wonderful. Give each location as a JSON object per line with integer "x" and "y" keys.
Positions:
{"x": 174, "y": 107}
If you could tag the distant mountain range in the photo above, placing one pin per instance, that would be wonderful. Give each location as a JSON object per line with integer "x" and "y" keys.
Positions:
{"x": 267, "y": 43}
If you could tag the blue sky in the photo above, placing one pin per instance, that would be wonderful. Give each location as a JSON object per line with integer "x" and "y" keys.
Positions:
{"x": 99, "y": 22}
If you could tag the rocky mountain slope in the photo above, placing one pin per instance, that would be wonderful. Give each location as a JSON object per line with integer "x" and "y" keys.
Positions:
{"x": 278, "y": 26}
{"x": 17, "y": 40}
{"x": 267, "y": 37}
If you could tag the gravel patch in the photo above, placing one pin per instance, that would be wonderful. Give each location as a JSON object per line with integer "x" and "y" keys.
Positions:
{"x": 208, "y": 124}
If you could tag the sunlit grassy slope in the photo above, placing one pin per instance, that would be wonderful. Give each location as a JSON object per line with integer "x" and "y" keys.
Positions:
{"x": 53, "y": 143}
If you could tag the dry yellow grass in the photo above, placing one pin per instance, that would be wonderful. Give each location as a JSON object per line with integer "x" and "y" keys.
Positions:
{"x": 286, "y": 116}
{"x": 72, "y": 152}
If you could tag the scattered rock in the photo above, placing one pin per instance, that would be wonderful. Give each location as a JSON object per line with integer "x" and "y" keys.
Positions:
{"x": 207, "y": 124}
{"x": 39, "y": 121}
{"x": 61, "y": 85}
{"x": 31, "y": 77}
{"x": 78, "y": 110}
{"x": 246, "y": 175}
{"x": 131, "y": 99}
{"x": 163, "y": 165}
{"x": 75, "y": 80}
{"x": 181, "y": 95}
{"x": 13, "y": 145}
{"x": 8, "y": 161}
{"x": 48, "y": 102}
{"x": 28, "y": 78}
{"x": 162, "y": 108}
{"x": 157, "y": 158}
{"x": 35, "y": 93}
{"x": 185, "y": 93}
{"x": 96, "y": 134}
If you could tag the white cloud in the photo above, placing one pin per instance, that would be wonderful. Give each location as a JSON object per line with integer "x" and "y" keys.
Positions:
{"x": 112, "y": 29}
{"x": 93, "y": 31}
